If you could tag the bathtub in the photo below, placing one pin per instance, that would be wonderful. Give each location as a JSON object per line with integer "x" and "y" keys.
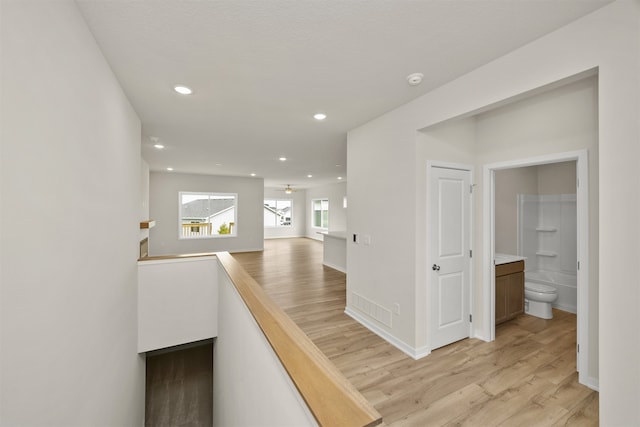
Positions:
{"x": 564, "y": 283}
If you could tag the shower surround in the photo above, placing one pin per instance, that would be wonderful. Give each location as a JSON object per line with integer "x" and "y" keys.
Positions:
{"x": 547, "y": 237}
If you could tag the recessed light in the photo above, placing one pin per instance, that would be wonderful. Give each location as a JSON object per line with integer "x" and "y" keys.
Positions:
{"x": 253, "y": 174}
{"x": 309, "y": 176}
{"x": 415, "y": 79}
{"x": 283, "y": 159}
{"x": 319, "y": 116}
{"x": 339, "y": 177}
{"x": 158, "y": 146}
{"x": 169, "y": 169}
{"x": 183, "y": 90}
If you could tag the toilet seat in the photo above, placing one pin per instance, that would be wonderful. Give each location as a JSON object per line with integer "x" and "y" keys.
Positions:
{"x": 539, "y": 287}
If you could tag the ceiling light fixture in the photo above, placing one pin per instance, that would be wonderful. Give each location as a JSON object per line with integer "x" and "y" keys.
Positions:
{"x": 339, "y": 178}
{"x": 182, "y": 90}
{"x": 253, "y": 174}
{"x": 156, "y": 142}
{"x": 415, "y": 79}
{"x": 283, "y": 159}
{"x": 319, "y": 116}
{"x": 169, "y": 169}
{"x": 309, "y": 176}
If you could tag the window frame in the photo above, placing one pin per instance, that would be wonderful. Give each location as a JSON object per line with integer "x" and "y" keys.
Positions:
{"x": 313, "y": 211}
{"x": 233, "y": 224}
{"x": 276, "y": 200}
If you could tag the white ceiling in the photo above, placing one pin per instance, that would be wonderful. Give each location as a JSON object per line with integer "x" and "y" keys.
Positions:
{"x": 261, "y": 69}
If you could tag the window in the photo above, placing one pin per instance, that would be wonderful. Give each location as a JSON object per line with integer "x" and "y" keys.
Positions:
{"x": 277, "y": 213}
{"x": 320, "y": 213}
{"x": 207, "y": 215}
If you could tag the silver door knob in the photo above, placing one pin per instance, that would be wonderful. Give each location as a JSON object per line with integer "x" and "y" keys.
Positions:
{"x": 435, "y": 267}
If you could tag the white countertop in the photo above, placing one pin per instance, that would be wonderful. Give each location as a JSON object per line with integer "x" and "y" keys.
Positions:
{"x": 335, "y": 234}
{"x": 506, "y": 259}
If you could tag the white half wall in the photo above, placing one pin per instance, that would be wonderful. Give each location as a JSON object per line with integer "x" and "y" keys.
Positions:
{"x": 177, "y": 301}
{"x": 250, "y": 387}
{"x": 70, "y": 154}
{"x": 384, "y": 171}
{"x": 163, "y": 207}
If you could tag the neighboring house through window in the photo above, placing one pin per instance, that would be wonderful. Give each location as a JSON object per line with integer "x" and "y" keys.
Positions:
{"x": 320, "y": 213}
{"x": 277, "y": 213}
{"x": 207, "y": 214}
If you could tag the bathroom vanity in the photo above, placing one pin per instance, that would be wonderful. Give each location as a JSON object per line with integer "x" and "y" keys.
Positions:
{"x": 509, "y": 287}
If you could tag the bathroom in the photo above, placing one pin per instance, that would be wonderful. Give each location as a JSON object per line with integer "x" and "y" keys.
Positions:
{"x": 535, "y": 218}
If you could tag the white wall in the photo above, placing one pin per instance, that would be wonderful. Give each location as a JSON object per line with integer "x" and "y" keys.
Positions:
{"x": 508, "y": 184}
{"x": 250, "y": 387}
{"x": 337, "y": 213}
{"x": 299, "y": 219}
{"x": 163, "y": 206}
{"x": 70, "y": 148}
{"x": 383, "y": 167}
{"x": 560, "y": 178}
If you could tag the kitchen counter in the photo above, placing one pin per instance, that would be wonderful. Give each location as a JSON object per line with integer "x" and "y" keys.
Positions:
{"x": 335, "y": 250}
{"x": 336, "y": 234}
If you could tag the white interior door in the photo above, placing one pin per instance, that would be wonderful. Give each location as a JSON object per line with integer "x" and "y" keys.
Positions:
{"x": 450, "y": 263}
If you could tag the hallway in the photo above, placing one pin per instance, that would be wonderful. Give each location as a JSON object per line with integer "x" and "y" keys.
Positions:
{"x": 526, "y": 377}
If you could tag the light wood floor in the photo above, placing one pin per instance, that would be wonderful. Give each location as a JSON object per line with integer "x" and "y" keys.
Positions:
{"x": 525, "y": 378}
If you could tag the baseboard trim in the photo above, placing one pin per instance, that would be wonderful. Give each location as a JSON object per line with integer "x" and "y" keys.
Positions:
{"x": 593, "y": 384}
{"x": 400, "y": 345}
{"x": 480, "y": 337}
{"x": 335, "y": 267}
{"x": 567, "y": 308}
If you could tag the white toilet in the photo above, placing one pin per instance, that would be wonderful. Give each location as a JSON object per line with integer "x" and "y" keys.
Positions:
{"x": 538, "y": 299}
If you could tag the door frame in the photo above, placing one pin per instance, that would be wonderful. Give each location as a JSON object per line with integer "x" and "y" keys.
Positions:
{"x": 582, "y": 209}
{"x": 429, "y": 256}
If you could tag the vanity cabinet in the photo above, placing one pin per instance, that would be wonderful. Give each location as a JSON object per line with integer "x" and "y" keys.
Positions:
{"x": 509, "y": 291}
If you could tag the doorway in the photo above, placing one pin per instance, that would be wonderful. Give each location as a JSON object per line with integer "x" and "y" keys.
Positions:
{"x": 582, "y": 255}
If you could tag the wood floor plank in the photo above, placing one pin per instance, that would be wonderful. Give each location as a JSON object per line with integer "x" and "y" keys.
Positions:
{"x": 504, "y": 405}
{"x": 525, "y": 377}
{"x": 440, "y": 413}
{"x": 584, "y": 414}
